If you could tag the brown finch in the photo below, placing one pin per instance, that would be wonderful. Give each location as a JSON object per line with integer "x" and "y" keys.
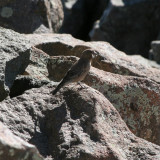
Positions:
{"x": 78, "y": 71}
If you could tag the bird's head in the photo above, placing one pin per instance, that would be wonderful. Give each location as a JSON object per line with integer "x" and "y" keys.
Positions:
{"x": 89, "y": 54}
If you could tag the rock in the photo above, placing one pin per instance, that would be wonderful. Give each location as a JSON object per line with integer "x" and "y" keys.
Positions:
{"x": 109, "y": 59}
{"x": 79, "y": 123}
{"x": 96, "y": 33}
{"x": 146, "y": 62}
{"x": 14, "y": 148}
{"x": 155, "y": 46}
{"x": 137, "y": 99}
{"x": 54, "y": 44}
{"x": 79, "y": 16}
{"x": 32, "y": 16}
{"x": 58, "y": 66}
{"x": 25, "y": 119}
{"x": 122, "y": 21}
{"x": 23, "y": 83}
{"x": 19, "y": 58}
{"x": 38, "y": 65}
{"x": 14, "y": 58}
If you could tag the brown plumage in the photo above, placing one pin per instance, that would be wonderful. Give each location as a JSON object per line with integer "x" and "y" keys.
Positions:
{"x": 78, "y": 71}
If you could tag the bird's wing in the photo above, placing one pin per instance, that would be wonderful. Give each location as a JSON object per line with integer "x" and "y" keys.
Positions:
{"x": 72, "y": 74}
{"x": 75, "y": 71}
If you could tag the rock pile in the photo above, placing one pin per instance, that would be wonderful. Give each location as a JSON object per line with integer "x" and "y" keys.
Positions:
{"x": 101, "y": 120}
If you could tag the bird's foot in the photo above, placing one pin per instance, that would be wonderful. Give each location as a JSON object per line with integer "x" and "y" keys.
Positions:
{"x": 80, "y": 85}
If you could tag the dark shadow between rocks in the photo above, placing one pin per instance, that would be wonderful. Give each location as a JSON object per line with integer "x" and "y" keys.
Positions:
{"x": 40, "y": 140}
{"x": 55, "y": 49}
{"x": 15, "y": 67}
{"x": 79, "y": 20}
{"x": 54, "y": 119}
{"x": 23, "y": 83}
{"x": 3, "y": 92}
{"x": 59, "y": 48}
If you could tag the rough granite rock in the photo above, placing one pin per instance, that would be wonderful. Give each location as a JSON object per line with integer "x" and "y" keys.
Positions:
{"x": 24, "y": 82}
{"x": 137, "y": 99}
{"x": 109, "y": 59}
{"x": 18, "y": 57}
{"x": 123, "y": 20}
{"x": 79, "y": 16}
{"x": 59, "y": 65}
{"x": 14, "y": 58}
{"x": 32, "y": 16}
{"x": 37, "y": 67}
{"x": 14, "y": 148}
{"x": 78, "y": 123}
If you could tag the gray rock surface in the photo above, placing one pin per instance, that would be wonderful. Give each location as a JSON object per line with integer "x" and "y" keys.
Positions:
{"x": 14, "y": 148}
{"x": 31, "y": 16}
{"x": 75, "y": 124}
{"x": 14, "y": 58}
{"x": 108, "y": 59}
{"x": 59, "y": 65}
{"x": 25, "y": 82}
{"x": 37, "y": 67}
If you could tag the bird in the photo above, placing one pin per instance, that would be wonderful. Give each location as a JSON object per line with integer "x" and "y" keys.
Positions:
{"x": 78, "y": 71}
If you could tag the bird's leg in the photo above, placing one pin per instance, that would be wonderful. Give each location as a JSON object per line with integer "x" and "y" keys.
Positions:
{"x": 79, "y": 83}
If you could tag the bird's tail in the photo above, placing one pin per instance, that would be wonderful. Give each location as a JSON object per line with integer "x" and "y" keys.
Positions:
{"x": 60, "y": 85}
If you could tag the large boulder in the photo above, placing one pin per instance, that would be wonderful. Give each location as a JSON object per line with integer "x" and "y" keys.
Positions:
{"x": 77, "y": 123}
{"x": 137, "y": 99}
{"x": 35, "y": 74}
{"x": 129, "y": 26}
{"x": 18, "y": 56}
{"x": 31, "y": 16}
{"x": 108, "y": 59}
{"x": 14, "y": 58}
{"x": 79, "y": 16}
{"x": 14, "y": 148}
